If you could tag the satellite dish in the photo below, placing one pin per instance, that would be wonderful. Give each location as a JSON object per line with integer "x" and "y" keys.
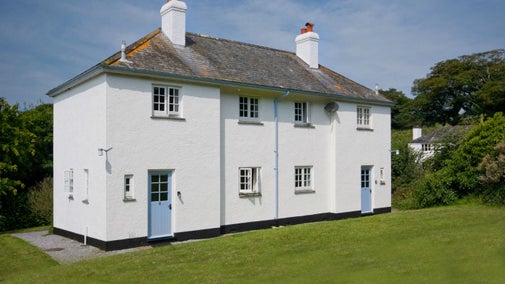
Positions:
{"x": 331, "y": 107}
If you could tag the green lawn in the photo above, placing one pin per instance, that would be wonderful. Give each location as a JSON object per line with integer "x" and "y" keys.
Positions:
{"x": 457, "y": 244}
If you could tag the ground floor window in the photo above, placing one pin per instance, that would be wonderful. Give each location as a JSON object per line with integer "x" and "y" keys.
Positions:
{"x": 249, "y": 180}
{"x": 128, "y": 187}
{"x": 69, "y": 181}
{"x": 303, "y": 178}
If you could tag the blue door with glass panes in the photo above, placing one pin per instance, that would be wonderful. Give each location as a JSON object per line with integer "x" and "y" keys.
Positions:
{"x": 366, "y": 190}
{"x": 160, "y": 204}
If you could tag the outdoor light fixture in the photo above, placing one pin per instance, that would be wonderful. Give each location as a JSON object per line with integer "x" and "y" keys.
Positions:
{"x": 101, "y": 150}
{"x": 397, "y": 151}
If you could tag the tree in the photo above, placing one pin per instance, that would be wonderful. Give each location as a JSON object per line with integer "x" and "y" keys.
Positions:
{"x": 17, "y": 148}
{"x": 469, "y": 86}
{"x": 25, "y": 158}
{"x": 402, "y": 114}
{"x": 39, "y": 121}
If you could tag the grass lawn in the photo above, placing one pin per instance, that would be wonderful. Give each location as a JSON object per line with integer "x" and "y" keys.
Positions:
{"x": 457, "y": 244}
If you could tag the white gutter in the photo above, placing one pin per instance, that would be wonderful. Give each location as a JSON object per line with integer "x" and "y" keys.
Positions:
{"x": 276, "y": 151}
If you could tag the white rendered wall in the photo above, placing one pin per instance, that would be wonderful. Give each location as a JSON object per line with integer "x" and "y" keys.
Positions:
{"x": 140, "y": 143}
{"x": 356, "y": 148}
{"x": 251, "y": 145}
{"x": 79, "y": 130}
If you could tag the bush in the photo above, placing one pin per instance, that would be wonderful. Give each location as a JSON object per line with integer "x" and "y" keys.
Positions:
{"x": 493, "y": 178}
{"x": 436, "y": 191}
{"x": 40, "y": 201}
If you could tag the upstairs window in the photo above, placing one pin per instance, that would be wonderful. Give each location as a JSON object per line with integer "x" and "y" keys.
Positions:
{"x": 363, "y": 117}
{"x": 249, "y": 183}
{"x": 426, "y": 147}
{"x": 302, "y": 113}
{"x": 166, "y": 101}
{"x": 248, "y": 108}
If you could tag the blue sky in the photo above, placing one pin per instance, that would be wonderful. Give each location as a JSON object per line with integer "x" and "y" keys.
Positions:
{"x": 389, "y": 42}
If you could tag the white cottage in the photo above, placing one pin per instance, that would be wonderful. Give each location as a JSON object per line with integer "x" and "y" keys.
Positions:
{"x": 182, "y": 136}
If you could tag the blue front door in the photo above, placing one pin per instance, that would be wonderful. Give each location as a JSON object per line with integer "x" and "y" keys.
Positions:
{"x": 366, "y": 190}
{"x": 160, "y": 204}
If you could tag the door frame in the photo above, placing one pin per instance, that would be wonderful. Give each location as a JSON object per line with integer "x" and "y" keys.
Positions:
{"x": 363, "y": 193}
{"x": 170, "y": 200}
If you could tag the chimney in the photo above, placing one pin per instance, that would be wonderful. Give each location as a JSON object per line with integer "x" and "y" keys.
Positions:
{"x": 417, "y": 132}
{"x": 307, "y": 46}
{"x": 173, "y": 21}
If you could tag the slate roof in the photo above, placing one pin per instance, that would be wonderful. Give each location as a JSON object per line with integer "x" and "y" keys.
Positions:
{"x": 216, "y": 60}
{"x": 444, "y": 133}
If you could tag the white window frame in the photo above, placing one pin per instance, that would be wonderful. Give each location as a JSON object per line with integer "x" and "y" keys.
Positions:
{"x": 166, "y": 101}
{"x": 302, "y": 112}
{"x": 426, "y": 147}
{"x": 249, "y": 180}
{"x": 86, "y": 185}
{"x": 129, "y": 187}
{"x": 304, "y": 178}
{"x": 248, "y": 108}
{"x": 364, "y": 117}
{"x": 69, "y": 181}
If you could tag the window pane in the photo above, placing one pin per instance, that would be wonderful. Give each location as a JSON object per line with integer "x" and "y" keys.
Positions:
{"x": 154, "y": 197}
{"x": 164, "y": 196}
{"x": 155, "y": 178}
{"x": 163, "y": 187}
{"x": 163, "y": 178}
{"x": 155, "y": 188}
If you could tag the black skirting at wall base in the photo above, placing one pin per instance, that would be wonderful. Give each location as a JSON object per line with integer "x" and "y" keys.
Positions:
{"x": 103, "y": 245}
{"x": 382, "y": 210}
{"x": 214, "y": 232}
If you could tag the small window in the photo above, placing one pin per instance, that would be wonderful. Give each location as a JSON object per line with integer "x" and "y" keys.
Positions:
{"x": 248, "y": 108}
{"x": 302, "y": 113}
{"x": 249, "y": 180}
{"x": 303, "y": 179}
{"x": 363, "y": 117}
{"x": 426, "y": 147}
{"x": 69, "y": 181}
{"x": 166, "y": 101}
{"x": 128, "y": 187}
{"x": 382, "y": 176}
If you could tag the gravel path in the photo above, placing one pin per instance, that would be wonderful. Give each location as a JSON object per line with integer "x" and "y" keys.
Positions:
{"x": 65, "y": 250}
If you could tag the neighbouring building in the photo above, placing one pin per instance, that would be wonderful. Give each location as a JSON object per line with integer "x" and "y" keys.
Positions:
{"x": 180, "y": 136}
{"x": 427, "y": 145}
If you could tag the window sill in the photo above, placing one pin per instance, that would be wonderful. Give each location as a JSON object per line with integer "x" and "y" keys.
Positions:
{"x": 249, "y": 194}
{"x": 129, "y": 199}
{"x": 304, "y": 125}
{"x": 172, "y": 117}
{"x": 304, "y": 191}
{"x": 250, "y": 122}
{"x": 364, "y": 128}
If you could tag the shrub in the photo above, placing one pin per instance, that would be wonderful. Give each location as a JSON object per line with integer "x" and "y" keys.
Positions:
{"x": 436, "y": 191}
{"x": 40, "y": 200}
{"x": 493, "y": 178}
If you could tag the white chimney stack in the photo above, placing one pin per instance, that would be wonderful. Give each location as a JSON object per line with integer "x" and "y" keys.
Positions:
{"x": 417, "y": 132}
{"x": 173, "y": 21}
{"x": 307, "y": 46}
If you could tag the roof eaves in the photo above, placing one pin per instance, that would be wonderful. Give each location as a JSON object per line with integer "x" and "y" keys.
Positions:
{"x": 163, "y": 75}
{"x": 84, "y": 76}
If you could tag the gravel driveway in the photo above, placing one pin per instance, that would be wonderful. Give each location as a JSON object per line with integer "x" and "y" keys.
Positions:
{"x": 65, "y": 250}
